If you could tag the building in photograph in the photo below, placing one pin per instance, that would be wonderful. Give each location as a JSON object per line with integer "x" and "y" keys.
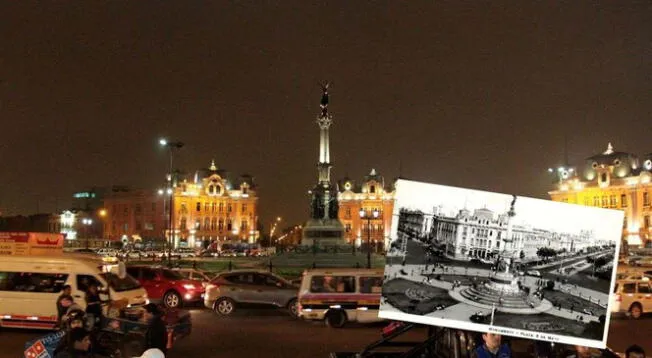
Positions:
{"x": 372, "y": 195}
{"x": 614, "y": 180}
{"x": 214, "y": 206}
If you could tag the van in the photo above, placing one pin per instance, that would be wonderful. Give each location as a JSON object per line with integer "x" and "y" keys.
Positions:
{"x": 338, "y": 296}
{"x": 30, "y": 286}
{"x": 633, "y": 297}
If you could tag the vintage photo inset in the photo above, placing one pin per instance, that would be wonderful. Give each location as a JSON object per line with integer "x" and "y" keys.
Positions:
{"x": 501, "y": 263}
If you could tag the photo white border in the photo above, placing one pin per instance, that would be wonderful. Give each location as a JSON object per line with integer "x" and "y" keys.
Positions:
{"x": 452, "y": 323}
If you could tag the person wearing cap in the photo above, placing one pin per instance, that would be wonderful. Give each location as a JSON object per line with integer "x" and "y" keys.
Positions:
{"x": 152, "y": 353}
{"x": 79, "y": 344}
{"x": 156, "y": 335}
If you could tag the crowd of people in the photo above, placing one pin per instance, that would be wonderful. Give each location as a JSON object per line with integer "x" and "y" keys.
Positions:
{"x": 81, "y": 325}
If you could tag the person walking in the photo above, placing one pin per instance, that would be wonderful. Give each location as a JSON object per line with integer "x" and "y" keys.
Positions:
{"x": 93, "y": 304}
{"x": 64, "y": 301}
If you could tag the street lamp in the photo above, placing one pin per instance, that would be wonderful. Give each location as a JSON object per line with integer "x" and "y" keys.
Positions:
{"x": 271, "y": 232}
{"x": 102, "y": 214}
{"x": 87, "y": 222}
{"x": 171, "y": 146}
{"x": 364, "y": 216}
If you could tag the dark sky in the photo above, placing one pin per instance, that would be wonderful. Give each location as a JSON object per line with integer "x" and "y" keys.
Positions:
{"x": 475, "y": 94}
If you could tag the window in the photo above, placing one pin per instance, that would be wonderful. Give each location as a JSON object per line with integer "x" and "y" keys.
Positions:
{"x": 644, "y": 288}
{"x": 605, "y": 203}
{"x": 229, "y": 225}
{"x": 587, "y": 202}
{"x": 267, "y": 280}
{"x": 198, "y": 224}
{"x": 623, "y": 200}
{"x": 603, "y": 177}
{"x": 348, "y": 227}
{"x": 213, "y": 206}
{"x": 244, "y": 208}
{"x": 242, "y": 278}
{"x": 207, "y": 224}
{"x": 371, "y": 284}
{"x": 220, "y": 226}
{"x": 83, "y": 281}
{"x": 243, "y": 225}
{"x": 339, "y": 284}
{"x": 646, "y": 199}
{"x": 612, "y": 201}
{"x": 148, "y": 274}
{"x": 183, "y": 223}
{"x": 372, "y": 189}
{"x": 245, "y": 190}
{"x": 32, "y": 282}
{"x": 133, "y": 272}
{"x": 171, "y": 275}
{"x": 198, "y": 206}
{"x": 348, "y": 213}
{"x": 221, "y": 207}
{"x": 629, "y": 288}
{"x": 207, "y": 207}
{"x": 596, "y": 201}
{"x": 646, "y": 222}
{"x": 229, "y": 208}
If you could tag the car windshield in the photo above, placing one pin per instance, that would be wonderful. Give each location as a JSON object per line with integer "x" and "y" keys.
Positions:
{"x": 172, "y": 275}
{"x": 120, "y": 284}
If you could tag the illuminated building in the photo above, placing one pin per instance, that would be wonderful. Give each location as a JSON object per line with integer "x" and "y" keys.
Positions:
{"x": 213, "y": 207}
{"x": 614, "y": 180}
{"x": 371, "y": 195}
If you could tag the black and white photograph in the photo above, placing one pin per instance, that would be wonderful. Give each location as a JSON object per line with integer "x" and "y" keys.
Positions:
{"x": 501, "y": 263}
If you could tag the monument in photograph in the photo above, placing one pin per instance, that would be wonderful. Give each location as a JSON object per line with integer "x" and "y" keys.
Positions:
{"x": 499, "y": 263}
{"x": 323, "y": 229}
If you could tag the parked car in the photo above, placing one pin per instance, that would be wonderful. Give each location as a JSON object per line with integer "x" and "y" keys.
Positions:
{"x": 633, "y": 297}
{"x": 184, "y": 252}
{"x": 193, "y": 274}
{"x": 166, "y": 285}
{"x": 534, "y": 273}
{"x": 231, "y": 289}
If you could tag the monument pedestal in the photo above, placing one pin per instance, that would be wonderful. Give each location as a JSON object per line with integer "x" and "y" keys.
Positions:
{"x": 323, "y": 233}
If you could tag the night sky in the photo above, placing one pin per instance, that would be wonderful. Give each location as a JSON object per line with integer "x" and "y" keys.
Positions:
{"x": 474, "y": 94}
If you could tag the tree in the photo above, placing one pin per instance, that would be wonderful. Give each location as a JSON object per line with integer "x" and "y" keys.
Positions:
{"x": 546, "y": 252}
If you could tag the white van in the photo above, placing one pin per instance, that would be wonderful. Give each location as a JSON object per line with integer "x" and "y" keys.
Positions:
{"x": 30, "y": 286}
{"x": 633, "y": 297}
{"x": 341, "y": 295}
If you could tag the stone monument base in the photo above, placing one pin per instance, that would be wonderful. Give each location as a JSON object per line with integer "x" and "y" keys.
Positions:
{"x": 323, "y": 233}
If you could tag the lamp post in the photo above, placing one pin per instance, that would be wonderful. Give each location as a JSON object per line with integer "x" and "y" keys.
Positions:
{"x": 271, "y": 232}
{"x": 364, "y": 216}
{"x": 102, "y": 214}
{"x": 87, "y": 222}
{"x": 165, "y": 193}
{"x": 171, "y": 146}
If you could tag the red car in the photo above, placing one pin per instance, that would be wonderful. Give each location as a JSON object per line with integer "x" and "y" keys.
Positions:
{"x": 167, "y": 286}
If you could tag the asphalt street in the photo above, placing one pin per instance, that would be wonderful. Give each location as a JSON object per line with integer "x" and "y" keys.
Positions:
{"x": 271, "y": 333}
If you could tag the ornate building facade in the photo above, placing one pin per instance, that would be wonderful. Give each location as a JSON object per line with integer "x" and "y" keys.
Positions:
{"x": 481, "y": 232}
{"x": 214, "y": 207}
{"x": 211, "y": 207}
{"x": 371, "y": 195}
{"x": 614, "y": 180}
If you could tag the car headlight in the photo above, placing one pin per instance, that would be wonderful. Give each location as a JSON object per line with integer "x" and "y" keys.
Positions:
{"x": 189, "y": 286}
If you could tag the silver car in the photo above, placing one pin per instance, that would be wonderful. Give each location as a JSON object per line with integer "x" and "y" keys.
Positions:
{"x": 231, "y": 289}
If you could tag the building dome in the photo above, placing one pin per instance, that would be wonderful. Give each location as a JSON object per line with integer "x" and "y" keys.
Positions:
{"x": 620, "y": 164}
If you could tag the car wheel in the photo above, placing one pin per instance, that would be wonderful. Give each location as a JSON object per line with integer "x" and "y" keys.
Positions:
{"x": 224, "y": 306}
{"x": 635, "y": 311}
{"x": 172, "y": 299}
{"x": 293, "y": 308}
{"x": 336, "y": 319}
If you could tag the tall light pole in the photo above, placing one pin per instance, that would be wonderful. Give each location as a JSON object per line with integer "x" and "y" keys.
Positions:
{"x": 364, "y": 216}
{"x": 171, "y": 146}
{"x": 271, "y": 232}
{"x": 87, "y": 222}
{"x": 102, "y": 214}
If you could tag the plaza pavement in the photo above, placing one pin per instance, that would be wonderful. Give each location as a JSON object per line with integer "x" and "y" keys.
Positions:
{"x": 414, "y": 274}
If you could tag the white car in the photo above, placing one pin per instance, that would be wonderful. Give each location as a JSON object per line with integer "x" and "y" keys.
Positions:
{"x": 632, "y": 297}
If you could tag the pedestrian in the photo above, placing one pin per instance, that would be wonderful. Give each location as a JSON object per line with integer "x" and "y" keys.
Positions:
{"x": 93, "y": 304}
{"x": 152, "y": 353}
{"x": 79, "y": 344}
{"x": 64, "y": 301}
{"x": 492, "y": 347}
{"x": 634, "y": 351}
{"x": 156, "y": 335}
